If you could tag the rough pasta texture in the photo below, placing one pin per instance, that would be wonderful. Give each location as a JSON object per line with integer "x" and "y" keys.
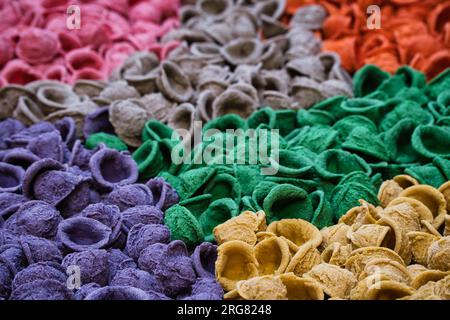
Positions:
{"x": 394, "y": 251}
{"x": 414, "y": 33}
{"x": 329, "y": 156}
{"x": 76, "y": 224}
{"x": 36, "y": 42}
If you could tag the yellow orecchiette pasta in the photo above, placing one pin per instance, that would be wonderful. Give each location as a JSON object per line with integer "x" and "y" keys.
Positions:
{"x": 273, "y": 255}
{"x": 389, "y": 190}
{"x": 399, "y": 250}
{"x": 430, "y": 197}
{"x": 297, "y": 232}
{"x": 235, "y": 261}
{"x": 242, "y": 227}
{"x": 301, "y": 288}
{"x": 335, "y": 281}
{"x": 262, "y": 288}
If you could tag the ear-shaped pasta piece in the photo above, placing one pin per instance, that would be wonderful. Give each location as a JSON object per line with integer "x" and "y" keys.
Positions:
{"x": 387, "y": 290}
{"x": 224, "y": 234}
{"x": 420, "y": 242}
{"x": 54, "y": 98}
{"x": 263, "y": 235}
{"x": 262, "y": 288}
{"x": 360, "y": 257}
{"x": 28, "y": 111}
{"x": 432, "y": 290}
{"x": 297, "y": 232}
{"x": 405, "y": 181}
{"x": 421, "y": 209}
{"x": 359, "y": 291}
{"x": 335, "y": 281}
{"x": 366, "y": 213}
{"x": 393, "y": 270}
{"x": 432, "y": 198}
{"x": 110, "y": 169}
{"x": 242, "y": 51}
{"x": 204, "y": 258}
{"x": 447, "y": 226}
{"x": 428, "y": 276}
{"x": 389, "y": 190}
{"x": 445, "y": 190}
{"x": 439, "y": 254}
{"x": 183, "y": 225}
{"x": 11, "y": 177}
{"x": 174, "y": 83}
{"x": 287, "y": 201}
{"x": 304, "y": 260}
{"x": 182, "y": 117}
{"x": 242, "y": 227}
{"x": 396, "y": 239}
{"x": 301, "y": 288}
{"x": 415, "y": 269}
{"x": 336, "y": 233}
{"x": 336, "y": 254}
{"x": 367, "y": 235}
{"x": 236, "y": 261}
{"x": 273, "y": 256}
{"x": 428, "y": 227}
{"x": 404, "y": 215}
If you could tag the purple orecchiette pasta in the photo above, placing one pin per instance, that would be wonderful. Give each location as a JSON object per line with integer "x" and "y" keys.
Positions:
{"x": 141, "y": 214}
{"x": 20, "y": 157}
{"x": 48, "y": 180}
{"x": 92, "y": 264}
{"x": 48, "y": 145}
{"x": 10, "y": 177}
{"x": 81, "y": 233}
{"x": 129, "y": 196}
{"x": 80, "y": 156}
{"x": 78, "y": 199}
{"x": 164, "y": 196}
{"x": 39, "y": 249}
{"x": 37, "y": 218}
{"x": 23, "y": 137}
{"x": 143, "y": 235}
{"x": 111, "y": 168}
{"x": 9, "y": 203}
{"x": 6, "y": 277}
{"x": 205, "y": 289}
{"x": 85, "y": 290}
{"x": 9, "y": 127}
{"x": 67, "y": 129}
{"x": 175, "y": 270}
{"x": 40, "y": 271}
{"x": 42, "y": 290}
{"x": 8, "y": 237}
{"x": 118, "y": 260}
{"x": 12, "y": 255}
{"x": 66, "y": 211}
{"x": 204, "y": 259}
{"x": 136, "y": 278}
{"x": 109, "y": 215}
{"x": 98, "y": 121}
{"x": 150, "y": 257}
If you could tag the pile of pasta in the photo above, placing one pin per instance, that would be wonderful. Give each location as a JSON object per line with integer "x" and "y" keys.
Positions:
{"x": 399, "y": 250}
